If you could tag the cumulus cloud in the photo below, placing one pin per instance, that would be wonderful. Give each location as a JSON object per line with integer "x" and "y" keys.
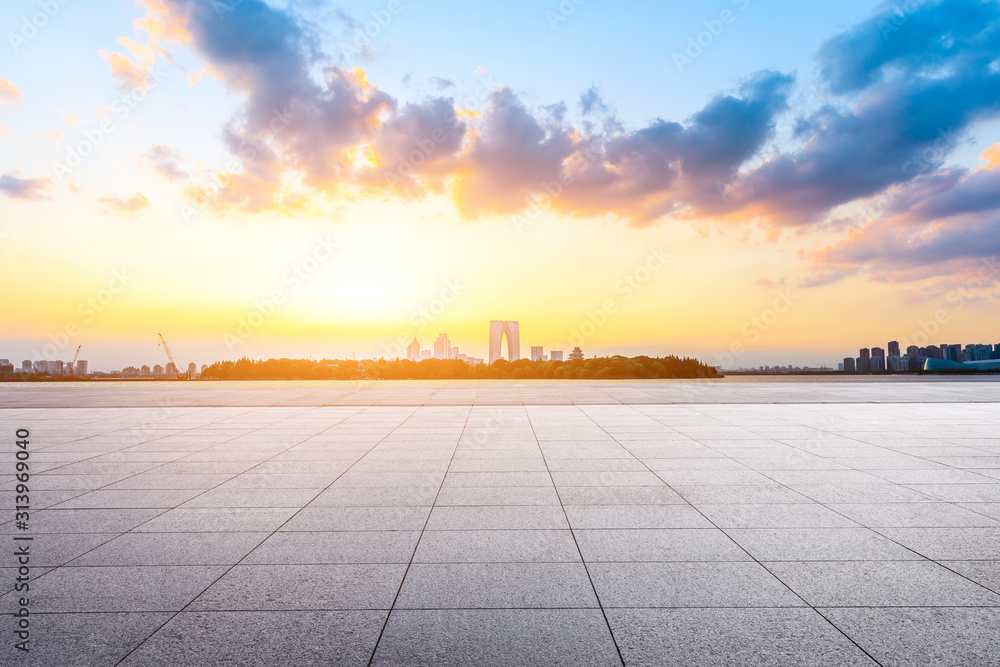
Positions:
{"x": 134, "y": 203}
{"x": 936, "y": 225}
{"x": 15, "y": 187}
{"x": 10, "y": 94}
{"x": 900, "y": 92}
{"x": 133, "y": 70}
{"x": 166, "y": 161}
{"x": 906, "y": 91}
{"x": 342, "y": 131}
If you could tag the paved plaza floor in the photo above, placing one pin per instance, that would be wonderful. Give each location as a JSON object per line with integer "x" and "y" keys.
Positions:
{"x": 573, "y": 524}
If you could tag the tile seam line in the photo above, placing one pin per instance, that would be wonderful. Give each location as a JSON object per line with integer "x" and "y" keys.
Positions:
{"x": 230, "y": 568}
{"x": 728, "y": 536}
{"x": 416, "y": 546}
{"x": 165, "y": 510}
{"x": 583, "y": 561}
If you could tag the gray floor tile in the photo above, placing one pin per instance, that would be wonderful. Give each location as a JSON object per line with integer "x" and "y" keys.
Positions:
{"x": 943, "y": 637}
{"x": 913, "y": 515}
{"x": 657, "y": 545}
{"x": 497, "y": 546}
{"x": 314, "y": 518}
{"x": 88, "y": 639}
{"x": 515, "y": 517}
{"x": 739, "y": 495}
{"x": 635, "y": 516}
{"x": 570, "y": 637}
{"x": 716, "y": 637}
{"x": 173, "y": 549}
{"x": 336, "y": 547}
{"x": 253, "y": 498}
{"x": 984, "y": 572}
{"x": 808, "y": 544}
{"x": 217, "y": 520}
{"x": 890, "y": 584}
{"x": 496, "y": 586}
{"x": 194, "y": 639}
{"x": 689, "y": 585}
{"x": 302, "y": 587}
{"x": 90, "y": 521}
{"x": 119, "y": 589}
{"x": 781, "y": 515}
{"x": 376, "y": 497}
{"x": 619, "y": 495}
{"x": 948, "y": 543}
{"x": 495, "y": 495}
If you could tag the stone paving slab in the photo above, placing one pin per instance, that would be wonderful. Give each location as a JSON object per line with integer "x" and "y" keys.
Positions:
{"x": 606, "y": 524}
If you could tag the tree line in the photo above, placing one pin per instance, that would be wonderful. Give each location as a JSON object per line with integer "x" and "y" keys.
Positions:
{"x": 598, "y": 368}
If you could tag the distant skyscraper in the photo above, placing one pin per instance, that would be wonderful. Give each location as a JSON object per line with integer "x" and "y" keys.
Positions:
{"x": 498, "y": 330}
{"x": 171, "y": 369}
{"x": 556, "y": 355}
{"x": 81, "y": 368}
{"x": 413, "y": 351}
{"x": 454, "y": 353}
{"x": 537, "y": 353}
{"x": 442, "y": 347}
{"x": 192, "y": 369}
{"x": 157, "y": 370}
{"x": 878, "y": 353}
{"x": 144, "y": 370}
{"x": 849, "y": 366}
{"x": 204, "y": 367}
{"x": 577, "y": 353}
{"x": 861, "y": 364}
{"x": 26, "y": 366}
{"x": 894, "y": 348}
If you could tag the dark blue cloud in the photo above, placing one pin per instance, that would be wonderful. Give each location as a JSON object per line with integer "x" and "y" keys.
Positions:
{"x": 911, "y": 38}
{"x": 912, "y": 97}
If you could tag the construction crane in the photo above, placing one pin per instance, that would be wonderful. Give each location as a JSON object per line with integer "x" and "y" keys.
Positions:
{"x": 170, "y": 357}
{"x": 72, "y": 364}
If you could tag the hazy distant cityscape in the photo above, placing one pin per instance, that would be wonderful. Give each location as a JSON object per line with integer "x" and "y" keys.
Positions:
{"x": 442, "y": 349}
{"x": 891, "y": 359}
{"x": 974, "y": 356}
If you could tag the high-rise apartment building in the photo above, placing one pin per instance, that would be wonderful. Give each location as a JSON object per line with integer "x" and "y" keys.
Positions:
{"x": 442, "y": 347}
{"x": 880, "y": 365}
{"x": 413, "y": 350}
{"x": 537, "y": 353}
{"x": 556, "y": 355}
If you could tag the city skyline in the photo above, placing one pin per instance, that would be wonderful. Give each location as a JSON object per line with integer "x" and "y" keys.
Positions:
{"x": 723, "y": 181}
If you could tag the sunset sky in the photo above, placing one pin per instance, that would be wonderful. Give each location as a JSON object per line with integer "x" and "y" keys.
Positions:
{"x": 311, "y": 178}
